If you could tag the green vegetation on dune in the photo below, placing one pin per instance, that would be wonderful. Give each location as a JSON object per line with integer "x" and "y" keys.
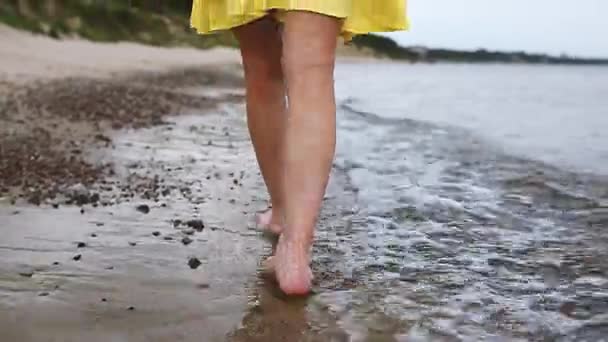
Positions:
{"x": 165, "y": 23}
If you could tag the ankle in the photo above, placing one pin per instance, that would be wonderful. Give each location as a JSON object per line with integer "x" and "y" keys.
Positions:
{"x": 298, "y": 241}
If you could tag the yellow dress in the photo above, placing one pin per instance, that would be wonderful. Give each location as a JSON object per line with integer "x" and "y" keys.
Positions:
{"x": 360, "y": 16}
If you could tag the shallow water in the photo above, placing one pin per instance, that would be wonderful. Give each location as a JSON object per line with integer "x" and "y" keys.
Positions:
{"x": 481, "y": 202}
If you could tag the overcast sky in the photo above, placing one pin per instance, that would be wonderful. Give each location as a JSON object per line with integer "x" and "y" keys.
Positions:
{"x": 576, "y": 27}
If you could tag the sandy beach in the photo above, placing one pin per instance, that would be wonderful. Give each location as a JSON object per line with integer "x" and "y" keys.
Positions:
{"x": 127, "y": 194}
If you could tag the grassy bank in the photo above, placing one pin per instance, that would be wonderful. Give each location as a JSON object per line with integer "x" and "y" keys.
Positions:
{"x": 162, "y": 23}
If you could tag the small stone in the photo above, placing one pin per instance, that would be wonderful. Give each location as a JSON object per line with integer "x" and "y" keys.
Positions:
{"x": 43, "y": 294}
{"x": 110, "y": 268}
{"x": 186, "y": 241}
{"x": 99, "y": 224}
{"x": 27, "y": 274}
{"x": 55, "y": 205}
{"x": 77, "y": 257}
{"x": 168, "y": 238}
{"x": 82, "y": 210}
{"x": 143, "y": 208}
{"x": 56, "y": 263}
{"x": 197, "y": 225}
{"x": 93, "y": 235}
{"x": 188, "y": 231}
{"x": 131, "y": 308}
{"x": 104, "y": 300}
{"x": 156, "y": 233}
{"x": 203, "y": 286}
{"x": 94, "y": 198}
{"x": 132, "y": 243}
{"x": 194, "y": 263}
{"x": 81, "y": 245}
{"x": 177, "y": 223}
{"x": 567, "y": 308}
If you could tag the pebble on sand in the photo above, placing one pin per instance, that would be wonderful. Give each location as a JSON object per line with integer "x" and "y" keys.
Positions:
{"x": 197, "y": 225}
{"x": 81, "y": 245}
{"x": 77, "y": 257}
{"x": 143, "y": 208}
{"x": 157, "y": 233}
{"x": 194, "y": 263}
{"x": 186, "y": 241}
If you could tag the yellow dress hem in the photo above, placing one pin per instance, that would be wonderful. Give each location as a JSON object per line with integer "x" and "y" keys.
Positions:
{"x": 208, "y": 18}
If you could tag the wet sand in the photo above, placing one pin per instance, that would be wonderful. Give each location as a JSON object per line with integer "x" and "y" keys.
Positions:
{"x": 128, "y": 187}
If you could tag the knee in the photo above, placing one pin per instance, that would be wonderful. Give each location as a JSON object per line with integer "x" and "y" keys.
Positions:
{"x": 309, "y": 64}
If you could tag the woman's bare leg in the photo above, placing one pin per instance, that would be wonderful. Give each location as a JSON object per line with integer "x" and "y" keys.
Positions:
{"x": 261, "y": 50}
{"x": 309, "y": 45}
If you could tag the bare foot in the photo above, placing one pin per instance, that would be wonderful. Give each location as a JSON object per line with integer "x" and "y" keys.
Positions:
{"x": 290, "y": 265}
{"x": 270, "y": 222}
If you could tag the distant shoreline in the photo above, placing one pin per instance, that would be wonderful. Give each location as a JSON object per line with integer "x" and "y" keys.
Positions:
{"x": 383, "y": 46}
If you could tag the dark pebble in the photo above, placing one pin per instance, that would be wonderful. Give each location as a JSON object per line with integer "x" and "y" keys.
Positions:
{"x": 177, "y": 223}
{"x": 81, "y": 245}
{"x": 197, "y": 225}
{"x": 56, "y": 263}
{"x": 93, "y": 235}
{"x": 131, "y": 308}
{"x": 567, "y": 308}
{"x": 156, "y": 233}
{"x": 94, "y": 198}
{"x": 77, "y": 257}
{"x": 194, "y": 263}
{"x": 232, "y": 201}
{"x": 189, "y": 231}
{"x": 110, "y": 268}
{"x": 143, "y": 208}
{"x": 27, "y": 274}
{"x": 99, "y": 224}
{"x": 186, "y": 241}
{"x": 43, "y": 294}
{"x": 82, "y": 210}
{"x": 55, "y": 205}
{"x": 235, "y": 181}
{"x": 104, "y": 300}
{"x": 203, "y": 286}
{"x": 168, "y": 238}
{"x": 132, "y": 243}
